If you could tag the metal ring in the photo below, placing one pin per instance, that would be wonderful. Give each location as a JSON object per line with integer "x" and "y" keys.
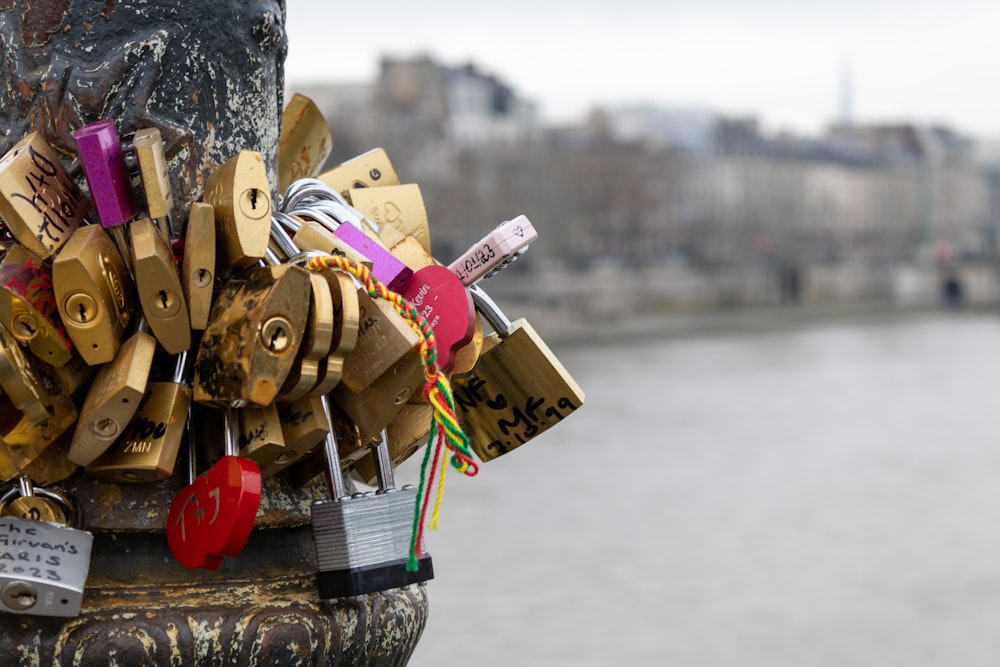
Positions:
{"x": 72, "y": 509}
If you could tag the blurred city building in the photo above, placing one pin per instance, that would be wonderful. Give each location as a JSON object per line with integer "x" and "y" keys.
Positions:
{"x": 651, "y": 208}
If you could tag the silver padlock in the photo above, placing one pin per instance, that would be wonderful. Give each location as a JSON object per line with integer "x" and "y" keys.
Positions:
{"x": 44, "y": 566}
{"x": 363, "y": 540}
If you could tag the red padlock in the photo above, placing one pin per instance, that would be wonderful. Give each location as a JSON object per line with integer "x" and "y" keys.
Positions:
{"x": 211, "y": 518}
{"x": 441, "y": 298}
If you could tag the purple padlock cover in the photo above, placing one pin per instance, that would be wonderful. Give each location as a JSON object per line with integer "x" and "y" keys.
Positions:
{"x": 100, "y": 151}
{"x": 385, "y": 266}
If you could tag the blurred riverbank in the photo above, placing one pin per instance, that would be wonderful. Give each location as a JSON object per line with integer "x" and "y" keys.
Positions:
{"x": 817, "y": 496}
{"x": 606, "y": 304}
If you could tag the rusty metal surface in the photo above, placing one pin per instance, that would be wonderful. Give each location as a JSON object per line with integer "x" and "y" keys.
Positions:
{"x": 144, "y": 507}
{"x": 260, "y": 608}
{"x": 210, "y": 79}
{"x": 285, "y": 625}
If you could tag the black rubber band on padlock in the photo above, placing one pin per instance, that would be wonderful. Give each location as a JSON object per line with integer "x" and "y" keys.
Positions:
{"x": 364, "y": 580}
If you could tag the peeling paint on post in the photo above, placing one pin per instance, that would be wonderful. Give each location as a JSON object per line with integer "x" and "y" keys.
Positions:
{"x": 210, "y": 77}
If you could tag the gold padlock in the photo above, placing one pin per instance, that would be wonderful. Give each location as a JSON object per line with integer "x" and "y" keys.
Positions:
{"x": 147, "y": 451}
{"x": 303, "y": 427}
{"x": 370, "y": 169}
{"x": 311, "y": 235}
{"x": 159, "y": 286}
{"x": 394, "y": 207}
{"x": 318, "y": 377}
{"x": 253, "y": 336}
{"x": 466, "y": 357}
{"x": 198, "y": 267}
{"x": 384, "y": 369}
{"x": 239, "y": 192}
{"x": 73, "y": 375}
{"x": 22, "y": 443}
{"x": 113, "y": 399}
{"x": 260, "y": 436}
{"x": 39, "y": 202}
{"x": 28, "y": 306}
{"x": 412, "y": 253}
{"x": 51, "y": 465}
{"x": 405, "y": 434}
{"x": 148, "y": 145}
{"x": 517, "y": 390}
{"x": 93, "y": 290}
{"x": 22, "y": 382}
{"x": 315, "y": 348}
{"x": 305, "y": 141}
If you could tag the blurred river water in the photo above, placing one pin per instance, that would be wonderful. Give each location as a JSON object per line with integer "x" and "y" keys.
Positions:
{"x": 823, "y": 495}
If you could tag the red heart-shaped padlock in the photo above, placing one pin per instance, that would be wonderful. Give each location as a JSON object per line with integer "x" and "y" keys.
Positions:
{"x": 212, "y": 517}
{"x": 441, "y": 298}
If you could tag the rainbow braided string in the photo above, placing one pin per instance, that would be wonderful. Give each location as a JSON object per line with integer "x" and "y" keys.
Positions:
{"x": 446, "y": 432}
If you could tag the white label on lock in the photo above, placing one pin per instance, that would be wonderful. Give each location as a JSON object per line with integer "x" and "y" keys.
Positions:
{"x": 43, "y": 567}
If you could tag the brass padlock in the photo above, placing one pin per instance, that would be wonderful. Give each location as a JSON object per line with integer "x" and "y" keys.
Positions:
{"x": 370, "y": 169}
{"x": 384, "y": 369}
{"x": 405, "y": 434}
{"x": 394, "y": 207}
{"x": 113, "y": 399}
{"x": 347, "y": 319}
{"x": 260, "y": 436}
{"x": 466, "y": 357}
{"x": 51, "y": 465}
{"x": 148, "y": 145}
{"x": 253, "y": 336}
{"x": 22, "y": 382}
{"x": 28, "y": 306}
{"x": 73, "y": 375}
{"x": 22, "y": 501}
{"x": 94, "y": 292}
{"x": 317, "y": 339}
{"x": 22, "y": 442}
{"x": 312, "y": 235}
{"x": 517, "y": 390}
{"x": 303, "y": 426}
{"x": 147, "y": 450}
{"x": 198, "y": 267}
{"x": 239, "y": 192}
{"x": 344, "y": 307}
{"x": 305, "y": 141}
{"x": 39, "y": 202}
{"x": 159, "y": 287}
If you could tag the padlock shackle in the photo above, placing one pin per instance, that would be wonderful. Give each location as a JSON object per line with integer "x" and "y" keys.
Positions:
{"x": 305, "y": 189}
{"x": 383, "y": 462}
{"x": 334, "y": 476}
{"x": 325, "y": 220}
{"x": 192, "y": 467}
{"x": 70, "y": 507}
{"x": 271, "y": 258}
{"x": 488, "y": 308}
{"x": 180, "y": 366}
{"x": 281, "y": 236}
{"x": 231, "y": 437}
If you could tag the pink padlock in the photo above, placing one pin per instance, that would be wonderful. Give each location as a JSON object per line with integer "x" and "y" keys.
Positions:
{"x": 498, "y": 249}
{"x": 389, "y": 270}
{"x": 100, "y": 151}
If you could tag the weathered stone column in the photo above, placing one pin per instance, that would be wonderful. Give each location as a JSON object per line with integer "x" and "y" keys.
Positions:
{"x": 209, "y": 76}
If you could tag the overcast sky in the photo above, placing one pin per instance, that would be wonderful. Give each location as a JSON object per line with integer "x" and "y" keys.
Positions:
{"x": 783, "y": 61}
